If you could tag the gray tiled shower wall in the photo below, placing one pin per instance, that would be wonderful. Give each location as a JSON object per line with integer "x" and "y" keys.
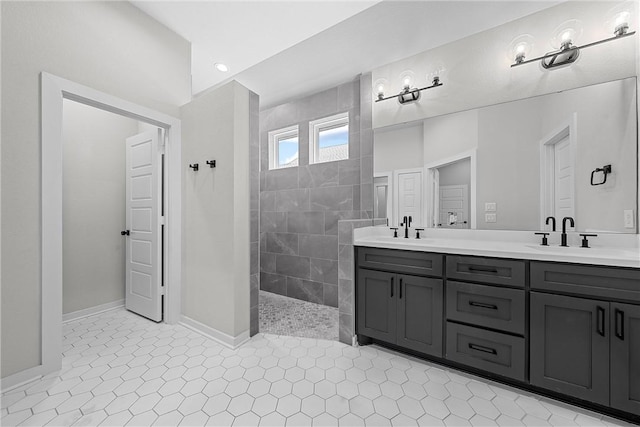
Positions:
{"x": 300, "y": 206}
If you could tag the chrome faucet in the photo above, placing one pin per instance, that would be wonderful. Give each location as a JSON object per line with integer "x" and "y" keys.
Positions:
{"x": 563, "y": 237}
{"x": 553, "y": 222}
{"x": 406, "y": 223}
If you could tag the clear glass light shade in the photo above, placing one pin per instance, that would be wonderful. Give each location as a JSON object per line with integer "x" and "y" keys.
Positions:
{"x": 438, "y": 71}
{"x": 520, "y": 48}
{"x": 379, "y": 88}
{"x": 567, "y": 34}
{"x": 618, "y": 24}
{"x": 407, "y": 79}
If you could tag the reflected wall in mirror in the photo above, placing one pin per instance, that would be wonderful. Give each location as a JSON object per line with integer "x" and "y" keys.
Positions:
{"x": 511, "y": 165}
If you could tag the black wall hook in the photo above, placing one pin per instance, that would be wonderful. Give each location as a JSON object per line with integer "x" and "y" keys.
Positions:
{"x": 211, "y": 163}
{"x": 194, "y": 167}
{"x": 605, "y": 170}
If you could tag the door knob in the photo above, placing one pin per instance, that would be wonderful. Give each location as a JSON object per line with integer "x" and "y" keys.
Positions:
{"x": 124, "y": 233}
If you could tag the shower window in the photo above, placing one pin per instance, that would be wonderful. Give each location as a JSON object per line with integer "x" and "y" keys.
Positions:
{"x": 283, "y": 148}
{"x": 329, "y": 139}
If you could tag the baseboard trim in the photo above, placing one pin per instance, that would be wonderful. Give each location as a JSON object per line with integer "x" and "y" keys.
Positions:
{"x": 20, "y": 378}
{"x": 214, "y": 334}
{"x": 80, "y": 314}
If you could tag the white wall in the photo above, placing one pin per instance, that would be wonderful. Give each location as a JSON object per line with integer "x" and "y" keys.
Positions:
{"x": 449, "y": 135}
{"x": 216, "y": 210}
{"x": 398, "y": 148}
{"x": 93, "y": 197}
{"x": 457, "y": 173}
{"x": 110, "y": 46}
{"x": 478, "y": 68}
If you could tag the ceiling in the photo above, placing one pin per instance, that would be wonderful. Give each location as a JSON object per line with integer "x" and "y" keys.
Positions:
{"x": 287, "y": 49}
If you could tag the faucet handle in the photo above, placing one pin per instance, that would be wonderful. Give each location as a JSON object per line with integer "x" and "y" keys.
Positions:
{"x": 395, "y": 231}
{"x": 544, "y": 242}
{"x": 418, "y": 230}
{"x": 585, "y": 242}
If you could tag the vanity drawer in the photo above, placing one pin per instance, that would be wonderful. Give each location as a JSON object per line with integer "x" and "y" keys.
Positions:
{"x": 399, "y": 261}
{"x": 603, "y": 282}
{"x": 486, "y": 270}
{"x": 489, "y": 306}
{"x": 493, "y": 352}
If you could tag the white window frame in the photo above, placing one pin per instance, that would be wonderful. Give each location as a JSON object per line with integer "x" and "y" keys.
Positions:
{"x": 275, "y": 136}
{"x": 325, "y": 123}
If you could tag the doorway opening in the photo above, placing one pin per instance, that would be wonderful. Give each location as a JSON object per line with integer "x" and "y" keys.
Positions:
{"x": 54, "y": 91}
{"x": 557, "y": 172}
{"x": 112, "y": 213}
{"x": 451, "y": 192}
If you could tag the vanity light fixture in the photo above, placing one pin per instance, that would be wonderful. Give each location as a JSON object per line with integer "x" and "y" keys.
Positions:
{"x": 407, "y": 94}
{"x": 567, "y": 52}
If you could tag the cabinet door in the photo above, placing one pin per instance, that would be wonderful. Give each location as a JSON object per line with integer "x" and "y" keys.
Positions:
{"x": 420, "y": 314}
{"x": 376, "y": 310}
{"x": 625, "y": 357}
{"x": 570, "y": 346}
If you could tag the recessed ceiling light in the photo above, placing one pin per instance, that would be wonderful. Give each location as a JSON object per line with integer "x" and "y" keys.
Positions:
{"x": 221, "y": 67}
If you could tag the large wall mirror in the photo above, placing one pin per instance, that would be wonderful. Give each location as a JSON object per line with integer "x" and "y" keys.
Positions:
{"x": 510, "y": 166}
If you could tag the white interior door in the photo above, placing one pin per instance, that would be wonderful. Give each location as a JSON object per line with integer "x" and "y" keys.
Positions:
{"x": 143, "y": 262}
{"x": 409, "y": 195}
{"x": 454, "y": 199}
{"x": 563, "y": 179}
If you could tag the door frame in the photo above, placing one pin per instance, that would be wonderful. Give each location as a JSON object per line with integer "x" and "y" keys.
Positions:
{"x": 567, "y": 128}
{"x": 389, "y": 176}
{"x": 53, "y": 90}
{"x": 428, "y": 194}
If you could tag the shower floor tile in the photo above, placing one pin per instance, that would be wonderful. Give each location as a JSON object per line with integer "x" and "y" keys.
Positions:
{"x": 280, "y": 315}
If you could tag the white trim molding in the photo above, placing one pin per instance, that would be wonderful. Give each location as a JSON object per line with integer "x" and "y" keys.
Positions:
{"x": 20, "y": 378}
{"x": 91, "y": 311}
{"x": 54, "y": 89}
{"x": 214, "y": 334}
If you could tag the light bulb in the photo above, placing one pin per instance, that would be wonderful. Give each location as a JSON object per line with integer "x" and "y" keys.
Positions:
{"x": 621, "y": 23}
{"x": 378, "y": 88}
{"x": 566, "y": 34}
{"x": 520, "y": 47}
{"x": 407, "y": 79}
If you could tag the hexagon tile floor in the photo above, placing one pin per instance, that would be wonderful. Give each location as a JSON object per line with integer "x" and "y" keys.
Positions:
{"x": 120, "y": 369}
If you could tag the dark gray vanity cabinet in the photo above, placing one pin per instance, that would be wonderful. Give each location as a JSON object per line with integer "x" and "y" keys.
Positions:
{"x": 397, "y": 308}
{"x": 625, "y": 357}
{"x": 377, "y": 305}
{"x": 486, "y": 317}
{"x": 420, "y": 314}
{"x": 569, "y": 348}
{"x": 567, "y": 329}
{"x": 586, "y": 343}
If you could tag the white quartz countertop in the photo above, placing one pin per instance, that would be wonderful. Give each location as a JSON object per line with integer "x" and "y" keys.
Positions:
{"x": 609, "y": 251}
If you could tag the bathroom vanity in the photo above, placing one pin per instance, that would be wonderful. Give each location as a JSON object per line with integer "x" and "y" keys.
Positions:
{"x": 565, "y": 323}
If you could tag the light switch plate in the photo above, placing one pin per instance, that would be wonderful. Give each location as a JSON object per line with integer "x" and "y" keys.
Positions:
{"x": 489, "y": 217}
{"x": 490, "y": 207}
{"x": 628, "y": 218}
